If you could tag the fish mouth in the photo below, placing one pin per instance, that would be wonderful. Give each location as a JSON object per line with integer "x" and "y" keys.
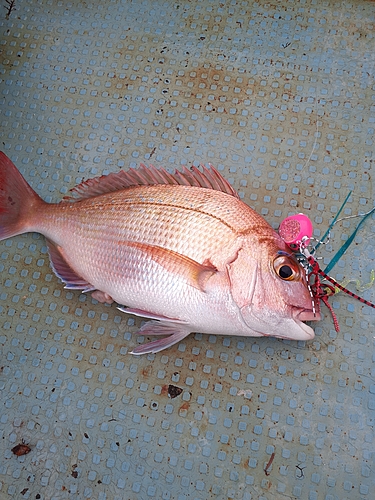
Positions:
{"x": 306, "y": 315}
{"x": 301, "y": 315}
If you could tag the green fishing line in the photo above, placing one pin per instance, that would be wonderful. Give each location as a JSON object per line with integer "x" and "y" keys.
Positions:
{"x": 346, "y": 245}
{"x": 332, "y": 224}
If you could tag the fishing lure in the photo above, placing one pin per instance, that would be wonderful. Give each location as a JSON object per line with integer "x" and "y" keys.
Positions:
{"x": 361, "y": 287}
{"x": 297, "y": 231}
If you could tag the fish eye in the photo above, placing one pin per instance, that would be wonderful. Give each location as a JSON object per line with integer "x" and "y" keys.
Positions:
{"x": 286, "y": 268}
{"x": 285, "y": 272}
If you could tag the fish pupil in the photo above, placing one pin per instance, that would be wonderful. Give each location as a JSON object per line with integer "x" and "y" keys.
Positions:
{"x": 285, "y": 272}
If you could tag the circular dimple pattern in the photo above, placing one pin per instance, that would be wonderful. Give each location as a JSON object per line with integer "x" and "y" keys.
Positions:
{"x": 279, "y": 98}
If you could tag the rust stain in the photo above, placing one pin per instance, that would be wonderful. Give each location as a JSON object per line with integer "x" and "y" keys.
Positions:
{"x": 184, "y": 407}
{"x": 164, "y": 390}
{"x": 21, "y": 449}
{"x": 147, "y": 371}
{"x": 267, "y": 469}
{"x": 74, "y": 471}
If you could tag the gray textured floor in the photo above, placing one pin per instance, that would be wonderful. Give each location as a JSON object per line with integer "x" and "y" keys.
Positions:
{"x": 280, "y": 97}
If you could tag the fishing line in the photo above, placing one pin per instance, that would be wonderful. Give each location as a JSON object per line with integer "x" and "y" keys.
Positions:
{"x": 316, "y": 133}
{"x": 296, "y": 231}
{"x": 346, "y": 245}
{"x": 328, "y": 232}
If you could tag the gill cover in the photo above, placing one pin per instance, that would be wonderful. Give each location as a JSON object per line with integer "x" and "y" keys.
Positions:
{"x": 270, "y": 301}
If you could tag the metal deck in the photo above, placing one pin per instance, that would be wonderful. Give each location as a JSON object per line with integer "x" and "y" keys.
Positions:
{"x": 280, "y": 97}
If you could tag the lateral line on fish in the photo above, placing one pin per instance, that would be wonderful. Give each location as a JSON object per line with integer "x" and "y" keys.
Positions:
{"x": 189, "y": 209}
{"x": 154, "y": 204}
{"x": 245, "y": 232}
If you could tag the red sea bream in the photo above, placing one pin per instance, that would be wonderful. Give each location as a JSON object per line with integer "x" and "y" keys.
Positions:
{"x": 181, "y": 250}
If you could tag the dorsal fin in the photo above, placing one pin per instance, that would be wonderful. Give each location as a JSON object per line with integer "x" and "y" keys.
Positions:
{"x": 208, "y": 178}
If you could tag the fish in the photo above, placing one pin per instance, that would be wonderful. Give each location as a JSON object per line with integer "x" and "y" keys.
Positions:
{"x": 180, "y": 250}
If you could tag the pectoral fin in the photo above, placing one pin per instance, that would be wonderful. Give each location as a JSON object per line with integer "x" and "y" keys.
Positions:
{"x": 175, "y": 332}
{"x": 194, "y": 273}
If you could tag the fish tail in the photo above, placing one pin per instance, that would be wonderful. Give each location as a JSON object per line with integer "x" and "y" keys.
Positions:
{"x": 18, "y": 200}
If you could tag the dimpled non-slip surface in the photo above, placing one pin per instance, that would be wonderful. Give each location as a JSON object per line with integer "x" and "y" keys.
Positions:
{"x": 280, "y": 97}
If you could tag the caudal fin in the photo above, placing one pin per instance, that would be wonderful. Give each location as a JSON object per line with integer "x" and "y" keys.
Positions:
{"x": 18, "y": 200}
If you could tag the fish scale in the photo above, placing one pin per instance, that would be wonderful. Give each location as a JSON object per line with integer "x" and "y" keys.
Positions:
{"x": 179, "y": 249}
{"x": 88, "y": 229}
{"x": 196, "y": 232}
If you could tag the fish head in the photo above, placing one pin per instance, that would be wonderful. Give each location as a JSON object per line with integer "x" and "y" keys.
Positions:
{"x": 271, "y": 291}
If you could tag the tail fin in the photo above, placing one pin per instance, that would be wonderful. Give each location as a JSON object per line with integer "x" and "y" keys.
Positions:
{"x": 17, "y": 200}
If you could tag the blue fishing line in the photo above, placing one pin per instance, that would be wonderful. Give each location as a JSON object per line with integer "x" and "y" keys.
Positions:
{"x": 346, "y": 245}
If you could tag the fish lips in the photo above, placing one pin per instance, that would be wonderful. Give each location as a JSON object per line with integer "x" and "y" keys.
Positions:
{"x": 306, "y": 315}
{"x": 299, "y": 316}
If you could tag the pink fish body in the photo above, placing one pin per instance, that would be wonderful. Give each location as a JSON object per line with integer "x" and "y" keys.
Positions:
{"x": 179, "y": 249}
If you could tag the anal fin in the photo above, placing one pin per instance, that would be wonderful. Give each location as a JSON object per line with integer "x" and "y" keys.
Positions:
{"x": 63, "y": 271}
{"x": 176, "y": 332}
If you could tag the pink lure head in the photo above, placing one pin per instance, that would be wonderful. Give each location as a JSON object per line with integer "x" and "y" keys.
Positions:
{"x": 295, "y": 230}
